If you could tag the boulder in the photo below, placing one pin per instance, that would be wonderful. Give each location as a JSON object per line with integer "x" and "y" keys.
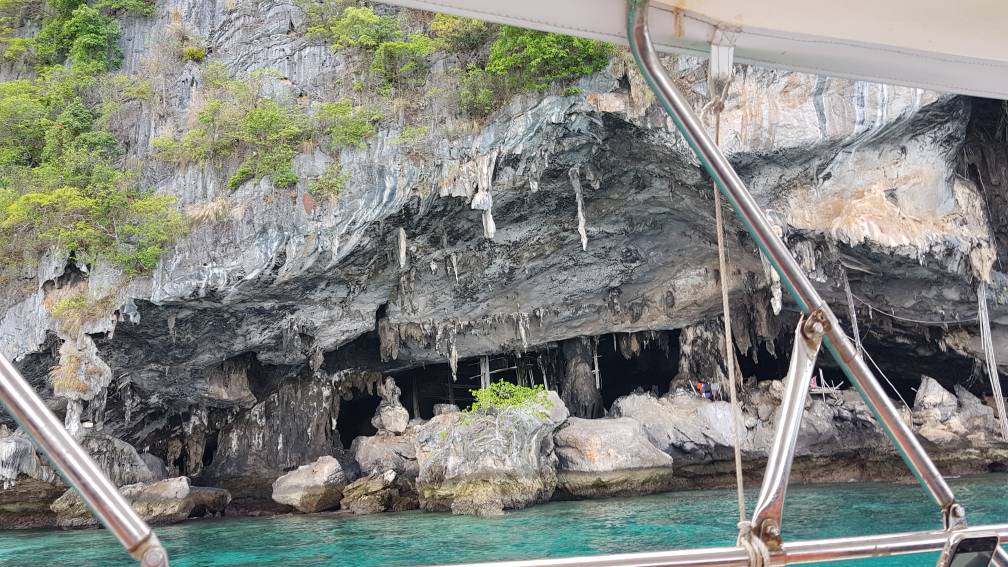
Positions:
{"x": 163, "y": 502}
{"x": 484, "y": 462}
{"x": 390, "y": 416}
{"x": 382, "y": 452}
{"x": 609, "y": 457}
{"x": 445, "y": 408}
{"x": 688, "y": 428}
{"x": 933, "y": 403}
{"x": 155, "y": 465}
{"x": 312, "y": 488}
{"x": 380, "y": 492}
{"x": 117, "y": 458}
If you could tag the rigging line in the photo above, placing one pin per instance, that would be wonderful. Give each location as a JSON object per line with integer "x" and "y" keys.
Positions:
{"x": 911, "y": 320}
{"x": 988, "y": 346}
{"x": 883, "y": 374}
{"x": 851, "y": 311}
{"x": 729, "y": 347}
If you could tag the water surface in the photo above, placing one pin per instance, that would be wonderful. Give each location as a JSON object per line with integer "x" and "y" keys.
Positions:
{"x": 649, "y": 523}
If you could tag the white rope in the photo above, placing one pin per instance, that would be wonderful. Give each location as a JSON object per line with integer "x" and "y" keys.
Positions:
{"x": 988, "y": 346}
{"x": 759, "y": 554}
{"x": 719, "y": 89}
{"x": 852, "y": 313}
{"x": 893, "y": 315}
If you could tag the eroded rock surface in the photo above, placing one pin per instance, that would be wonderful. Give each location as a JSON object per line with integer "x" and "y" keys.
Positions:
{"x": 314, "y": 487}
{"x": 163, "y": 502}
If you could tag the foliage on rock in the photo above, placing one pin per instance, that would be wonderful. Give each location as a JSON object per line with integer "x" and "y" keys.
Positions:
{"x": 505, "y": 395}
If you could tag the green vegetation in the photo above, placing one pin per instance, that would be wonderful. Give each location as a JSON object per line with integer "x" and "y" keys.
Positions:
{"x": 534, "y": 59}
{"x": 329, "y": 184}
{"x": 459, "y": 35}
{"x": 346, "y": 124}
{"x": 62, "y": 183}
{"x": 524, "y": 60}
{"x": 410, "y": 135}
{"x": 504, "y": 395}
{"x": 236, "y": 120}
{"x": 194, "y": 53}
{"x": 403, "y": 63}
{"x": 361, "y": 27}
{"x": 143, "y": 8}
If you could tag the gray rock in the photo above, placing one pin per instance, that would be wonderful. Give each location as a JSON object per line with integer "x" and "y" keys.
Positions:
{"x": 384, "y": 452}
{"x": 163, "y": 502}
{"x": 390, "y": 416}
{"x": 482, "y": 463}
{"x": 312, "y": 488}
{"x": 609, "y": 457}
{"x": 933, "y": 403}
{"x": 155, "y": 465}
{"x": 379, "y": 492}
{"x": 445, "y": 408}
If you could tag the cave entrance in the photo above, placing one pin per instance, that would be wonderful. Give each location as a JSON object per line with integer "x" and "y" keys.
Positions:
{"x": 355, "y": 417}
{"x": 651, "y": 369}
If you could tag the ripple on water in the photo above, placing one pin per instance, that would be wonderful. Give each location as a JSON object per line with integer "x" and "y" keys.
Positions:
{"x": 674, "y": 520}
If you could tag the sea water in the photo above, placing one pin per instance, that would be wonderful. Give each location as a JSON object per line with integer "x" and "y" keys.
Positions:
{"x": 664, "y": 521}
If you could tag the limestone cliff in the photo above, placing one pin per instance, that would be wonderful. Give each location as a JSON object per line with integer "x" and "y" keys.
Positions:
{"x": 260, "y": 340}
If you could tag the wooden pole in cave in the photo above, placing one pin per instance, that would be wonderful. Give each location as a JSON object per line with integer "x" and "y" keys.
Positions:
{"x": 416, "y": 399}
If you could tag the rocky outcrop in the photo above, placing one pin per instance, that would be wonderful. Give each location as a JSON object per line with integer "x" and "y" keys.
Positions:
{"x": 385, "y": 452}
{"x": 391, "y": 416}
{"x": 163, "y": 502}
{"x": 609, "y": 457}
{"x": 481, "y": 463}
{"x": 312, "y": 488}
{"x": 949, "y": 421}
{"x": 380, "y": 492}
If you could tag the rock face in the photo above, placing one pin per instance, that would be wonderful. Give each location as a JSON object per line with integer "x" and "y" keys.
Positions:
{"x": 688, "y": 428}
{"x": 949, "y": 421}
{"x": 482, "y": 463}
{"x": 163, "y": 502}
{"x": 553, "y": 221}
{"x": 380, "y": 492}
{"x": 609, "y": 457}
{"x": 312, "y": 488}
{"x": 385, "y": 452}
{"x": 390, "y": 416}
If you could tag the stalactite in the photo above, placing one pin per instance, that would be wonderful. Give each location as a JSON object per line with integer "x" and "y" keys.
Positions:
{"x": 402, "y": 248}
{"x": 578, "y": 386}
{"x": 484, "y": 371}
{"x": 575, "y": 179}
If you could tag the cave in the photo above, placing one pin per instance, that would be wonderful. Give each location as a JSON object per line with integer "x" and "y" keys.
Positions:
{"x": 355, "y": 416}
{"x": 651, "y": 369}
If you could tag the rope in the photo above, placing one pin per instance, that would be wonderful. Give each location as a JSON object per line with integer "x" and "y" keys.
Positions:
{"x": 893, "y": 315}
{"x": 716, "y": 105}
{"x": 850, "y": 311}
{"x": 988, "y": 346}
{"x": 759, "y": 554}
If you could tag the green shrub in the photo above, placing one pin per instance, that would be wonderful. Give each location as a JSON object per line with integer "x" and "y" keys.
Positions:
{"x": 126, "y": 7}
{"x": 85, "y": 37}
{"x": 346, "y": 124}
{"x": 403, "y": 63}
{"x": 194, "y": 53}
{"x": 24, "y": 120}
{"x": 534, "y": 59}
{"x": 503, "y": 395}
{"x": 481, "y": 93}
{"x": 459, "y": 35}
{"x": 410, "y": 135}
{"x": 361, "y": 27}
{"x": 330, "y": 184}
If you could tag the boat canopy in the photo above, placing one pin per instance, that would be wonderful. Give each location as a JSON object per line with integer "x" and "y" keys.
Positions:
{"x": 956, "y": 47}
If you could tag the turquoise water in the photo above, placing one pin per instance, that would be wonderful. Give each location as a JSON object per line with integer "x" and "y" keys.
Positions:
{"x": 675, "y": 520}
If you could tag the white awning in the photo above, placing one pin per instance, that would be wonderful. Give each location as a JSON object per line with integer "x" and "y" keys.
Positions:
{"x": 958, "y": 47}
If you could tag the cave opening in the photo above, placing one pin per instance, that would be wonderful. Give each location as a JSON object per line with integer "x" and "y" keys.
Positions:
{"x": 761, "y": 364}
{"x": 355, "y": 416}
{"x": 651, "y": 369}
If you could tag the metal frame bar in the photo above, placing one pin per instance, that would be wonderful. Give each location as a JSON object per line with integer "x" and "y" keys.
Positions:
{"x": 766, "y": 518}
{"x": 78, "y": 469}
{"x": 793, "y": 553}
{"x": 791, "y": 274}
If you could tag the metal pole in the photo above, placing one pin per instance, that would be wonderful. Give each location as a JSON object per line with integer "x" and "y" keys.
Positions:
{"x": 766, "y": 518}
{"x": 78, "y": 469}
{"x": 812, "y": 551}
{"x": 774, "y": 249}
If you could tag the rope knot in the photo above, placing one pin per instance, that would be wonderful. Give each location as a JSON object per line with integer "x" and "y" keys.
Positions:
{"x": 759, "y": 555}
